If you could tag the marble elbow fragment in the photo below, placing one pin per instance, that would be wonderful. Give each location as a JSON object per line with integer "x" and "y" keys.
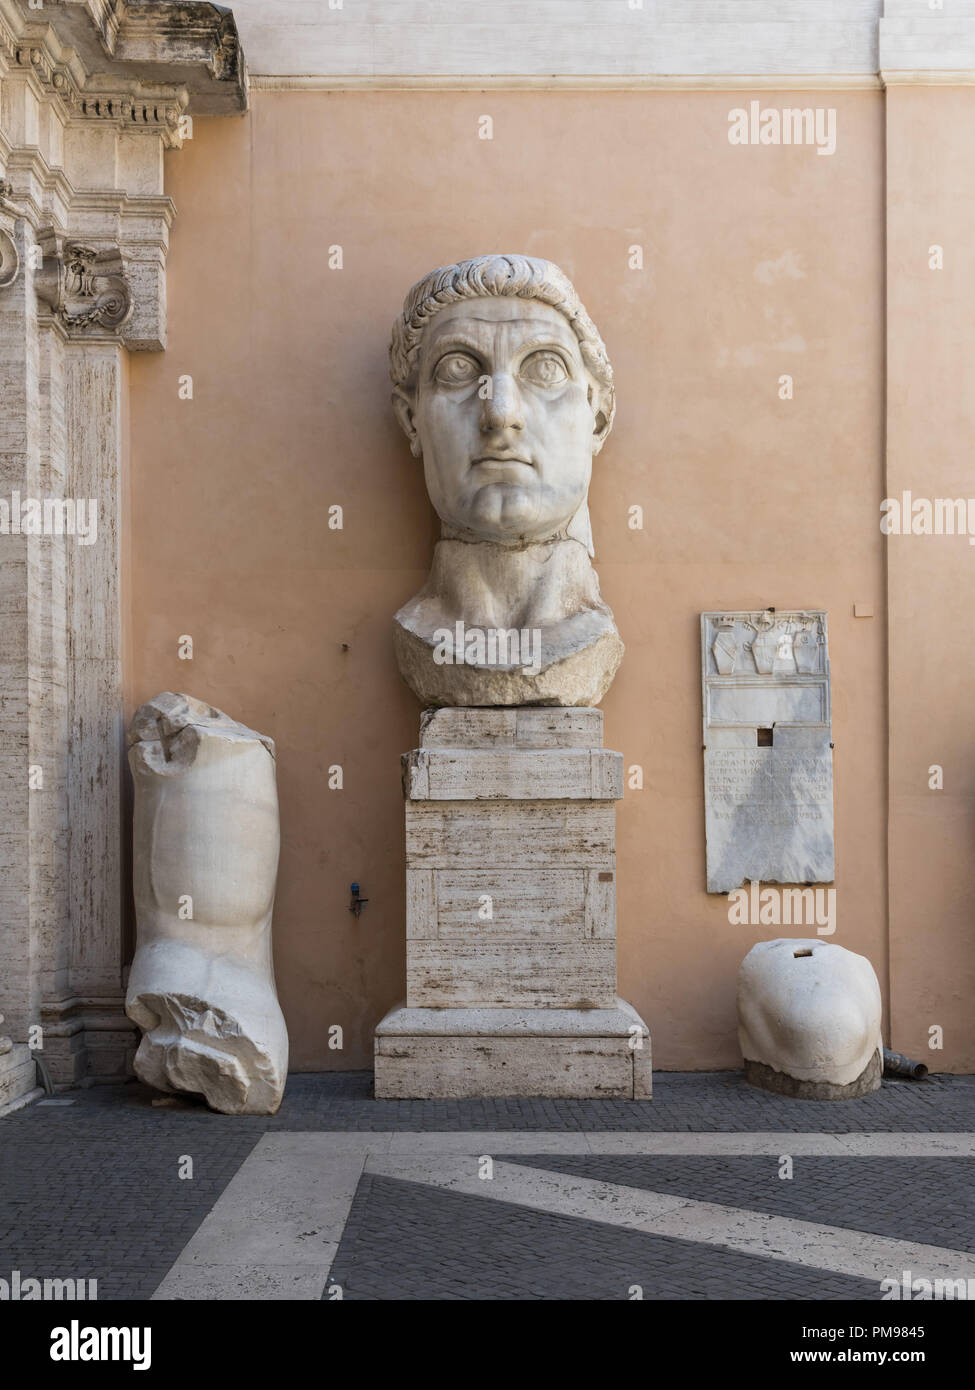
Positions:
{"x": 205, "y": 857}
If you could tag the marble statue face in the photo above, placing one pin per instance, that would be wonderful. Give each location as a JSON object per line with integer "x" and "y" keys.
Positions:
{"x": 514, "y": 464}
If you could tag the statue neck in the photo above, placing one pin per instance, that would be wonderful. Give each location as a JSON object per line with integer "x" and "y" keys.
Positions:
{"x": 533, "y": 584}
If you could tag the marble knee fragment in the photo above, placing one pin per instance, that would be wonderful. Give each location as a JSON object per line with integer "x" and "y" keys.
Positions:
{"x": 206, "y": 841}
{"x": 809, "y": 1020}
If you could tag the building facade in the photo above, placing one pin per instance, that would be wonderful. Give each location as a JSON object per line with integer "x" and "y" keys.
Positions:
{"x": 207, "y": 222}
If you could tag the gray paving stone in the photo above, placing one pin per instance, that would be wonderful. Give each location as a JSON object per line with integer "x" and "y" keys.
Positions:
{"x": 91, "y": 1190}
{"x": 87, "y": 1202}
{"x": 719, "y": 1101}
{"x": 406, "y": 1241}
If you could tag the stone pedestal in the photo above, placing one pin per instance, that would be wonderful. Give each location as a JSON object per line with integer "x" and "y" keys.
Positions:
{"x": 511, "y": 914}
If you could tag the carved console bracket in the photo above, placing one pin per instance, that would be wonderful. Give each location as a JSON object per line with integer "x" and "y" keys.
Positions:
{"x": 9, "y": 255}
{"x": 82, "y": 287}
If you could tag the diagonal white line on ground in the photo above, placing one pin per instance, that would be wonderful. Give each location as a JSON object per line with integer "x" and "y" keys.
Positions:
{"x": 833, "y": 1248}
{"x": 274, "y": 1231}
{"x": 872, "y": 1145}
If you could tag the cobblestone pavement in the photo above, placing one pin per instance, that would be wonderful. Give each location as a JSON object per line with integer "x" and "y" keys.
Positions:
{"x": 406, "y": 1241}
{"x": 681, "y": 1100}
{"x": 93, "y": 1189}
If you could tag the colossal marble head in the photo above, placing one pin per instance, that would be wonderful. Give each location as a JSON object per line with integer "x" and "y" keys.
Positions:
{"x": 504, "y": 388}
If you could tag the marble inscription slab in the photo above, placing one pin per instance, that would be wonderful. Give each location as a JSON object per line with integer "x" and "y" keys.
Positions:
{"x": 768, "y": 760}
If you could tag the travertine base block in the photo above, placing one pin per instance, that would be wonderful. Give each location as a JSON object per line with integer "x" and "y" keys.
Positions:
{"x": 454, "y": 1054}
{"x": 511, "y": 914}
{"x": 18, "y": 1076}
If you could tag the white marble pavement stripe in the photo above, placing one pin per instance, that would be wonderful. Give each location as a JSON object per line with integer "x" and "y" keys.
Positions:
{"x": 875, "y": 1145}
{"x": 855, "y": 1253}
{"x": 872, "y": 1145}
{"x": 274, "y": 1231}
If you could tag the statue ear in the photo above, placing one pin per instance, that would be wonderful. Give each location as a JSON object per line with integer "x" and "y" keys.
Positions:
{"x": 602, "y": 408}
{"x": 403, "y": 406}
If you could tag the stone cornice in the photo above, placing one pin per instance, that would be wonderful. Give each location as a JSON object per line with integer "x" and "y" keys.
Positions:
{"x": 105, "y": 17}
{"x": 599, "y": 44}
{"x": 379, "y": 43}
{"x": 921, "y": 46}
{"x": 140, "y": 63}
{"x": 592, "y": 82}
{"x": 91, "y": 94}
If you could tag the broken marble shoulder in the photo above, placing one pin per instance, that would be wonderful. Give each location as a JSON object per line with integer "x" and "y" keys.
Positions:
{"x": 534, "y": 630}
{"x": 206, "y": 841}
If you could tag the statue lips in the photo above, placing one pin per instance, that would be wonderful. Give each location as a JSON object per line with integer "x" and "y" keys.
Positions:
{"x": 503, "y": 468}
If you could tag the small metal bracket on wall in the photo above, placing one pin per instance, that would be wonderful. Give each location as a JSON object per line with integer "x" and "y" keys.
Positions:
{"x": 358, "y": 902}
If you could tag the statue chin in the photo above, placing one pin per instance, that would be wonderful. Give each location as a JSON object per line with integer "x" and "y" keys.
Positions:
{"x": 503, "y": 509}
{"x": 508, "y": 514}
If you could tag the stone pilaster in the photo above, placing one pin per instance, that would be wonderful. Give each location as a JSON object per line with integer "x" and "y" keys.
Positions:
{"x": 91, "y": 96}
{"x": 927, "y": 61}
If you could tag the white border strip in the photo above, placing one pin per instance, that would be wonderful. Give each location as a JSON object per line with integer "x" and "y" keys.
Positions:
{"x": 852, "y": 82}
{"x": 927, "y": 77}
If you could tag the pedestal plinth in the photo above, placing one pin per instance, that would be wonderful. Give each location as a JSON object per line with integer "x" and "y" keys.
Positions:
{"x": 511, "y": 914}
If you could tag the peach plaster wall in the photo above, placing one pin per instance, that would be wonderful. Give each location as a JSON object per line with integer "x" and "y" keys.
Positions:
{"x": 758, "y": 261}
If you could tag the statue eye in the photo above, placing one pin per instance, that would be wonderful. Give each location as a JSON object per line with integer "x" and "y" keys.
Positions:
{"x": 456, "y": 369}
{"x": 544, "y": 369}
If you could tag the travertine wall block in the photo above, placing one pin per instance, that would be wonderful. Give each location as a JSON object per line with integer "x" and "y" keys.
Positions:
{"x": 432, "y": 774}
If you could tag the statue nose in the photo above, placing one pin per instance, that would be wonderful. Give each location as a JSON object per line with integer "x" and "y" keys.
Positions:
{"x": 502, "y": 409}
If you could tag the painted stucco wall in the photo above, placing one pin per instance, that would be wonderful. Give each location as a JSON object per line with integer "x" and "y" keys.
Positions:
{"x": 758, "y": 262}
